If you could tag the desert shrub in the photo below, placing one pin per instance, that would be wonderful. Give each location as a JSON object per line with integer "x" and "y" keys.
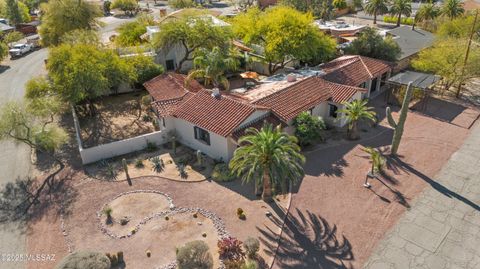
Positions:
{"x": 146, "y": 118}
{"x": 157, "y": 164}
{"x": 85, "y": 260}
{"x": 151, "y": 147}
{"x": 221, "y": 173}
{"x": 391, "y": 19}
{"x": 139, "y": 163}
{"x": 194, "y": 254}
{"x": 308, "y": 128}
{"x": 231, "y": 252}
{"x": 340, "y": 4}
{"x": 239, "y": 211}
{"x": 249, "y": 264}
{"x": 179, "y": 4}
{"x": 252, "y": 245}
{"x": 242, "y": 216}
{"x": 182, "y": 171}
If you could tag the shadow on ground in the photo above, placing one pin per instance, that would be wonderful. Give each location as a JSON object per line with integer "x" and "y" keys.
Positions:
{"x": 308, "y": 241}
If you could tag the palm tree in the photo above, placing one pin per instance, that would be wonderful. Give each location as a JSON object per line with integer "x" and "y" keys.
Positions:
{"x": 268, "y": 157}
{"x": 211, "y": 66}
{"x": 377, "y": 160}
{"x": 426, "y": 12}
{"x": 354, "y": 112}
{"x": 452, "y": 8}
{"x": 401, "y": 7}
{"x": 376, "y": 7}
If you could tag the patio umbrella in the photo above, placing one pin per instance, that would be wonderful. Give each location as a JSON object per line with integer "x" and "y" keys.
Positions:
{"x": 249, "y": 74}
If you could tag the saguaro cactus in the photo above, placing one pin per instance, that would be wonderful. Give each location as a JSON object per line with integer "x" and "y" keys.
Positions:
{"x": 398, "y": 127}
{"x": 125, "y": 168}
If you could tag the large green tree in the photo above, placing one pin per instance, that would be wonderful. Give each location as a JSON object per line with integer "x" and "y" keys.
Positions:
{"x": 13, "y": 12}
{"x": 62, "y": 16}
{"x": 372, "y": 44}
{"x": 285, "y": 34}
{"x": 453, "y": 8}
{"x": 191, "y": 33}
{"x": 211, "y": 67}
{"x": 446, "y": 58}
{"x": 144, "y": 67}
{"x": 354, "y": 112}
{"x": 375, "y": 8}
{"x": 401, "y": 7}
{"x": 323, "y": 9}
{"x": 3, "y": 50}
{"x": 268, "y": 157}
{"x": 130, "y": 33}
{"x": 460, "y": 27}
{"x": 84, "y": 72}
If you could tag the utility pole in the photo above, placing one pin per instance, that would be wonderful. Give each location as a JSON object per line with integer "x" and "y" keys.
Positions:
{"x": 466, "y": 54}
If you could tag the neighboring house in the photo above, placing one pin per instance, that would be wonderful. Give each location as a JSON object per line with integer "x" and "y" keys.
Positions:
{"x": 358, "y": 71}
{"x": 213, "y": 121}
{"x": 411, "y": 42}
{"x": 4, "y": 27}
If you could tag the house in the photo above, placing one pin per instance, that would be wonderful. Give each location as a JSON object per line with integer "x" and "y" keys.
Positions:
{"x": 213, "y": 121}
{"x": 358, "y": 71}
{"x": 4, "y": 27}
{"x": 411, "y": 42}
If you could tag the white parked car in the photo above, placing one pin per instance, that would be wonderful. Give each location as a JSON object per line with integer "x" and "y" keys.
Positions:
{"x": 20, "y": 49}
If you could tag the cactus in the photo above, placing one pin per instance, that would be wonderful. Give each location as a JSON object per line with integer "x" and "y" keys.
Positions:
{"x": 199, "y": 158}
{"x": 174, "y": 144}
{"x": 125, "y": 168}
{"x": 398, "y": 126}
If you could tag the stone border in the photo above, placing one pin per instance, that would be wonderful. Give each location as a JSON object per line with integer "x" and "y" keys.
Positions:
{"x": 106, "y": 231}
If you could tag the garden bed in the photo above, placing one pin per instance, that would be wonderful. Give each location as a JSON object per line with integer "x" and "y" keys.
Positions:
{"x": 116, "y": 118}
{"x": 181, "y": 165}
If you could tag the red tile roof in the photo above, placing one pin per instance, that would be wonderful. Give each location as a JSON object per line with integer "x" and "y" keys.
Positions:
{"x": 170, "y": 86}
{"x": 304, "y": 95}
{"x": 259, "y": 123}
{"x": 221, "y": 115}
{"x": 353, "y": 69}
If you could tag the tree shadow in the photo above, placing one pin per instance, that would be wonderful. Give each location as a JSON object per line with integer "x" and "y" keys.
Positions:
{"x": 29, "y": 199}
{"x": 401, "y": 165}
{"x": 438, "y": 109}
{"x": 308, "y": 241}
{"x": 4, "y": 68}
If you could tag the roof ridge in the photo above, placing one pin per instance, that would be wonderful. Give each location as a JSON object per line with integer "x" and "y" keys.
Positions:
{"x": 284, "y": 89}
{"x": 365, "y": 65}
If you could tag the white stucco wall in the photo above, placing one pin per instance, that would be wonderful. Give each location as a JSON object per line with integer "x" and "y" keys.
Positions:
{"x": 176, "y": 53}
{"x": 218, "y": 148}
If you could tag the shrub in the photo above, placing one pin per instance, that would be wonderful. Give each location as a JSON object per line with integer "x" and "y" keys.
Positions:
{"x": 179, "y": 4}
{"x": 151, "y": 147}
{"x": 157, "y": 164}
{"x": 252, "y": 245}
{"x": 194, "y": 254}
{"x": 242, "y": 216}
{"x": 120, "y": 257}
{"x": 221, "y": 173}
{"x": 139, "y": 163}
{"x": 250, "y": 265}
{"x": 231, "y": 252}
{"x": 146, "y": 118}
{"x": 195, "y": 215}
{"x": 308, "y": 128}
{"x": 391, "y": 19}
{"x": 182, "y": 171}
{"x": 84, "y": 260}
{"x": 239, "y": 211}
{"x": 339, "y": 4}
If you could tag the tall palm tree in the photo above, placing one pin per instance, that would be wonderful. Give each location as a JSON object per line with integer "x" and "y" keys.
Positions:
{"x": 376, "y": 7}
{"x": 427, "y": 12}
{"x": 268, "y": 157}
{"x": 453, "y": 8}
{"x": 354, "y": 112}
{"x": 401, "y": 7}
{"x": 211, "y": 66}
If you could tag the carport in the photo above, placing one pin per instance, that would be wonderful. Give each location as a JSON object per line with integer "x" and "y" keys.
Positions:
{"x": 419, "y": 80}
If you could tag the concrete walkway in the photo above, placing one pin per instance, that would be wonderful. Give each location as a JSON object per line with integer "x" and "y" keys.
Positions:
{"x": 442, "y": 229}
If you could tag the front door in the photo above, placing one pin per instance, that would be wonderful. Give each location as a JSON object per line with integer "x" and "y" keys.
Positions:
{"x": 373, "y": 87}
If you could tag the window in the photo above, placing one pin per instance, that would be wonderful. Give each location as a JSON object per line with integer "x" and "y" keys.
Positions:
{"x": 332, "y": 110}
{"x": 170, "y": 65}
{"x": 201, "y": 135}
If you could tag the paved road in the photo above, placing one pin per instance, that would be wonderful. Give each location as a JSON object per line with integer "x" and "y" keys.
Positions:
{"x": 442, "y": 230}
{"x": 15, "y": 159}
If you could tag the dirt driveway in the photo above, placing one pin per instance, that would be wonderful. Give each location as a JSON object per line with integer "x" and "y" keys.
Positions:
{"x": 335, "y": 222}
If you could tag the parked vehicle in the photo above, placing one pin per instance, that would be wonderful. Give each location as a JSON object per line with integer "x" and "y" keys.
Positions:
{"x": 20, "y": 49}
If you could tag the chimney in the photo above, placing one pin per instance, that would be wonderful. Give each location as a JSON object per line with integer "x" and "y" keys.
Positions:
{"x": 216, "y": 92}
{"x": 291, "y": 78}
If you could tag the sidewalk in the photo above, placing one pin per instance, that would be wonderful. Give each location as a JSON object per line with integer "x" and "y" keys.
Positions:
{"x": 442, "y": 229}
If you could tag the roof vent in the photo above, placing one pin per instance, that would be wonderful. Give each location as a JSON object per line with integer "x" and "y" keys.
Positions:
{"x": 291, "y": 78}
{"x": 216, "y": 92}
